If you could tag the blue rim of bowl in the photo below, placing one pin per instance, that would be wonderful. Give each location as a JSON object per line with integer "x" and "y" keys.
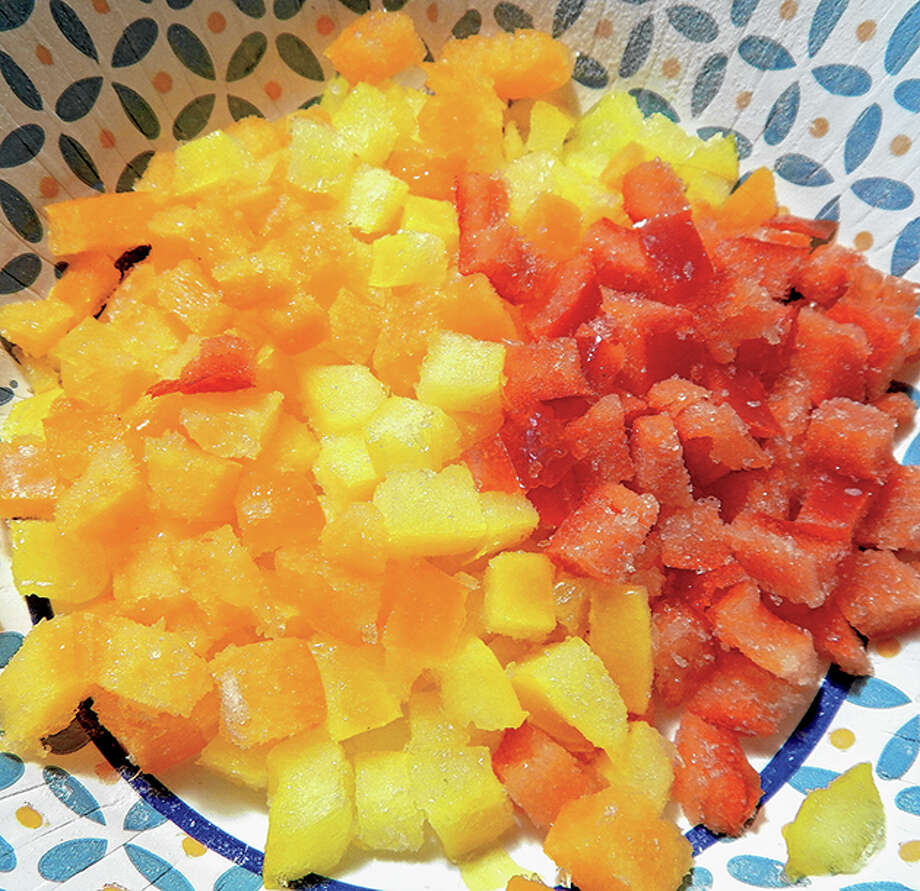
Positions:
{"x": 787, "y": 760}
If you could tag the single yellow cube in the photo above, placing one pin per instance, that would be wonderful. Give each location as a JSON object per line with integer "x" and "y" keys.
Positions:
{"x": 321, "y": 159}
{"x": 433, "y": 216}
{"x": 344, "y": 469}
{"x": 465, "y": 803}
{"x": 310, "y": 808}
{"x": 187, "y": 482}
{"x": 187, "y": 293}
{"x": 357, "y": 696}
{"x": 107, "y": 498}
{"x": 36, "y": 325}
{"x": 375, "y": 201}
{"x": 68, "y": 569}
{"x": 431, "y": 514}
{"x": 568, "y": 684}
{"x": 363, "y": 119}
{"x": 27, "y": 415}
{"x": 218, "y": 571}
{"x": 291, "y": 447}
{"x": 518, "y": 595}
{"x": 152, "y": 667}
{"x": 408, "y": 258}
{"x": 430, "y": 726}
{"x": 512, "y": 142}
{"x": 210, "y": 160}
{"x": 460, "y": 373}
{"x": 245, "y": 767}
{"x": 149, "y": 576}
{"x": 405, "y": 434}
{"x": 644, "y": 764}
{"x": 231, "y": 425}
{"x": 340, "y": 398}
{"x": 386, "y": 814}
{"x": 475, "y": 689}
{"x": 620, "y": 625}
{"x": 510, "y": 518}
{"x": 549, "y": 126}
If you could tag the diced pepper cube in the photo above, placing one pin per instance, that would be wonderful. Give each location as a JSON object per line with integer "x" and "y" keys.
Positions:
{"x": 460, "y": 373}
{"x": 364, "y": 120}
{"x": 375, "y": 201}
{"x": 518, "y": 595}
{"x": 208, "y": 161}
{"x": 387, "y": 816}
{"x": 36, "y": 325}
{"x": 321, "y": 159}
{"x": 344, "y": 469}
{"x": 231, "y": 425}
{"x": 28, "y": 482}
{"x": 247, "y": 767}
{"x": 433, "y": 216}
{"x": 408, "y": 258}
{"x": 340, "y": 398}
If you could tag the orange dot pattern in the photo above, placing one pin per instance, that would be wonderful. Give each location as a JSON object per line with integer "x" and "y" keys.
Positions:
{"x": 819, "y": 127}
{"x": 106, "y": 139}
{"x": 909, "y": 851}
{"x": 162, "y": 82}
{"x": 48, "y": 187}
{"x": 216, "y": 22}
{"x": 865, "y": 31}
{"x": 901, "y": 144}
{"x": 788, "y": 9}
{"x": 842, "y": 738}
{"x": 604, "y": 28}
{"x": 101, "y": 6}
{"x": 432, "y": 12}
{"x": 862, "y": 241}
{"x": 325, "y": 25}
{"x": 273, "y": 90}
{"x": 193, "y": 847}
{"x": 670, "y": 68}
{"x": 891, "y": 647}
{"x": 43, "y": 54}
{"x": 29, "y": 817}
{"x": 743, "y": 100}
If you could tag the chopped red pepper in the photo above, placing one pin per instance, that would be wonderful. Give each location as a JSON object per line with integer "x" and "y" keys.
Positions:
{"x": 223, "y": 363}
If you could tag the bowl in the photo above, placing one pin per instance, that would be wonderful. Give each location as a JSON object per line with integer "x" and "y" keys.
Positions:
{"x": 826, "y": 94}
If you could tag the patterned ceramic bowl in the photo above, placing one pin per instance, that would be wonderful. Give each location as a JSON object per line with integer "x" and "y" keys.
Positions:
{"x": 827, "y": 94}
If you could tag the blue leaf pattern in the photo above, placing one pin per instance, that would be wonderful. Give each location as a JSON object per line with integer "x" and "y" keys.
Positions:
{"x": 904, "y": 41}
{"x": 765, "y": 53}
{"x": 708, "y": 83}
{"x": 650, "y": 102}
{"x": 589, "y": 72}
{"x": 72, "y": 794}
{"x": 637, "y": 47}
{"x": 908, "y": 800}
{"x": 15, "y": 14}
{"x": 761, "y": 872}
{"x": 694, "y": 23}
{"x": 7, "y": 856}
{"x": 142, "y": 816}
{"x": 79, "y": 160}
{"x": 156, "y": 870}
{"x": 906, "y": 251}
{"x": 190, "y": 51}
{"x": 801, "y": 170}
{"x": 11, "y": 769}
{"x": 907, "y": 94}
{"x": 861, "y": 138}
{"x": 68, "y": 858}
{"x": 876, "y": 693}
{"x": 830, "y": 211}
{"x": 900, "y": 752}
{"x": 20, "y": 83}
{"x": 883, "y": 193}
{"x": 18, "y": 147}
{"x": 73, "y": 29}
{"x": 20, "y": 213}
{"x": 742, "y": 10}
{"x": 782, "y": 115}
{"x": 78, "y": 99}
{"x": 877, "y": 886}
{"x": 238, "y": 879}
{"x": 138, "y": 110}
{"x": 567, "y": 13}
{"x": 843, "y": 80}
{"x": 135, "y": 42}
{"x": 807, "y": 778}
{"x": 912, "y": 454}
{"x": 19, "y": 273}
{"x": 823, "y": 22}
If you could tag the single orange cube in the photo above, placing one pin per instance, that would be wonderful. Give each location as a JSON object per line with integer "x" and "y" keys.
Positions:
{"x": 376, "y": 46}
{"x": 28, "y": 483}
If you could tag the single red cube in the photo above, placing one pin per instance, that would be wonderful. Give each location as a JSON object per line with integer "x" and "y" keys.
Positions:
{"x": 879, "y": 594}
{"x": 893, "y": 520}
{"x": 683, "y": 649}
{"x": 658, "y": 460}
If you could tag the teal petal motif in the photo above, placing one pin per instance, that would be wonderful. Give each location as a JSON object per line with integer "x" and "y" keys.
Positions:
{"x": 650, "y": 102}
{"x": 908, "y": 800}
{"x": 135, "y": 42}
{"x": 862, "y": 136}
{"x": 876, "y": 693}
{"x": 11, "y": 769}
{"x": 588, "y": 72}
{"x": 823, "y": 22}
{"x": 694, "y": 23}
{"x": 805, "y": 779}
{"x": 133, "y": 171}
{"x": 765, "y": 53}
{"x": 21, "y": 145}
{"x": 79, "y": 160}
{"x": 242, "y": 108}
{"x": 10, "y": 642}
{"x": 194, "y": 117}
{"x": 742, "y": 143}
{"x": 843, "y": 80}
{"x": 566, "y": 14}
{"x": 156, "y": 870}
{"x": 20, "y": 83}
{"x": 138, "y": 110}
{"x": 742, "y": 10}
{"x": 142, "y": 816}
{"x": 708, "y": 83}
{"x": 802, "y": 170}
{"x": 190, "y": 51}
{"x": 782, "y": 115}
{"x": 638, "y": 47}
{"x": 19, "y": 273}
{"x": 72, "y": 794}
{"x": 20, "y": 213}
{"x": 255, "y": 9}
{"x": 73, "y": 29}
{"x": 287, "y": 9}
{"x": 246, "y": 56}
{"x": 68, "y": 858}
{"x": 7, "y": 856}
{"x": 467, "y": 25}
{"x": 237, "y": 879}
{"x": 510, "y": 16}
{"x": 906, "y": 251}
{"x": 358, "y": 6}
{"x": 904, "y": 41}
{"x": 761, "y": 872}
{"x": 15, "y": 13}
{"x": 298, "y": 56}
{"x": 883, "y": 192}
{"x": 78, "y": 99}
{"x": 900, "y": 751}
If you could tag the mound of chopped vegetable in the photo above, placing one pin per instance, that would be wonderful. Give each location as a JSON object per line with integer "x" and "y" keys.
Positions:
{"x": 403, "y": 456}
